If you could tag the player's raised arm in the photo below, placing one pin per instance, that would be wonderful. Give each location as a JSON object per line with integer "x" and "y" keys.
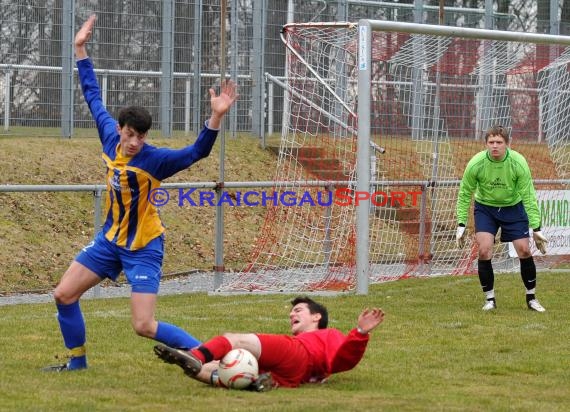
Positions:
{"x": 83, "y": 36}
{"x": 222, "y": 103}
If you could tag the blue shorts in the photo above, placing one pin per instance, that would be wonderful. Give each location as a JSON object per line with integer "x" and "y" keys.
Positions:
{"x": 512, "y": 220}
{"x": 142, "y": 267}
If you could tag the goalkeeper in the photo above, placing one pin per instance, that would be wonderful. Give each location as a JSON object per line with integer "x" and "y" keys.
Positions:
{"x": 504, "y": 199}
{"x": 312, "y": 354}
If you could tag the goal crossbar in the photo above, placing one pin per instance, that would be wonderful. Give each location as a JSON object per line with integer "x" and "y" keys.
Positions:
{"x": 464, "y": 32}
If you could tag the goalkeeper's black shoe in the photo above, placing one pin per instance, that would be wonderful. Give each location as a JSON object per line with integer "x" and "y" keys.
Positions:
{"x": 188, "y": 362}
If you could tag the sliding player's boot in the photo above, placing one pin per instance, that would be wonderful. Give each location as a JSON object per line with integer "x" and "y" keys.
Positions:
{"x": 188, "y": 362}
{"x": 263, "y": 383}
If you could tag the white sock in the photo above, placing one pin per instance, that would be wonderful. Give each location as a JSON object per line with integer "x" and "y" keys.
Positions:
{"x": 490, "y": 294}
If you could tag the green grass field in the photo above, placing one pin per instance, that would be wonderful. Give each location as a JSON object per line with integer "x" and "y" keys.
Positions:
{"x": 435, "y": 351}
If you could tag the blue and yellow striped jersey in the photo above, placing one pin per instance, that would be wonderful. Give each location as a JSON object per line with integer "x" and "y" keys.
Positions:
{"x": 132, "y": 221}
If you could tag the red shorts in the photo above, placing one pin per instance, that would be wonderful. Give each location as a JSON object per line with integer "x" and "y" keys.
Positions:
{"x": 286, "y": 358}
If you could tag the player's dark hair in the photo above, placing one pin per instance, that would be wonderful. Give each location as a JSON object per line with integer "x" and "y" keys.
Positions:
{"x": 136, "y": 117}
{"x": 314, "y": 307}
{"x": 497, "y": 130}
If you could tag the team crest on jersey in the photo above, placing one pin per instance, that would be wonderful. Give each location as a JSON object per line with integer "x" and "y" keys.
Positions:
{"x": 497, "y": 183}
{"x": 115, "y": 182}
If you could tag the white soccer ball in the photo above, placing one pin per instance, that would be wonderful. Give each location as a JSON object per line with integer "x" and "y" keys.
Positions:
{"x": 238, "y": 369}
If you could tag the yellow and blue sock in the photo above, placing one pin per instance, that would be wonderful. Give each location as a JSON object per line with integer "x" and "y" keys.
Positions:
{"x": 72, "y": 327}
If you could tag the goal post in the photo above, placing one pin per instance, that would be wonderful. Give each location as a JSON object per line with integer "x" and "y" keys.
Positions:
{"x": 363, "y": 156}
{"x": 382, "y": 118}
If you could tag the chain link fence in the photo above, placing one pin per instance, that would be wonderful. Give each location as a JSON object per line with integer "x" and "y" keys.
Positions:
{"x": 166, "y": 54}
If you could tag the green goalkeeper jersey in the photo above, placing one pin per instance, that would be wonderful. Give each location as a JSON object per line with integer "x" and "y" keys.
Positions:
{"x": 498, "y": 183}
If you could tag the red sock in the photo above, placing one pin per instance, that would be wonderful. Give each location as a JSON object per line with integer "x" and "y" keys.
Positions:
{"x": 214, "y": 349}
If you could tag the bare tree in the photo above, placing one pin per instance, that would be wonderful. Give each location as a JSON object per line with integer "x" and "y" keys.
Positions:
{"x": 565, "y": 18}
{"x": 543, "y": 16}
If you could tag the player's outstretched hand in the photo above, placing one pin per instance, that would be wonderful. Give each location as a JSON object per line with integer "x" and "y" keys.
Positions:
{"x": 84, "y": 33}
{"x": 369, "y": 319}
{"x": 228, "y": 95}
{"x": 540, "y": 241}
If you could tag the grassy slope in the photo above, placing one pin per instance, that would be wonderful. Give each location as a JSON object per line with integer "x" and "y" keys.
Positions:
{"x": 42, "y": 232}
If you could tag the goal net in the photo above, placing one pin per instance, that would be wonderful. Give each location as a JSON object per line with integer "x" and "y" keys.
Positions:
{"x": 432, "y": 97}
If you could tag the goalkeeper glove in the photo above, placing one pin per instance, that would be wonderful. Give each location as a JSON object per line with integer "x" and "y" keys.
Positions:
{"x": 460, "y": 236}
{"x": 540, "y": 241}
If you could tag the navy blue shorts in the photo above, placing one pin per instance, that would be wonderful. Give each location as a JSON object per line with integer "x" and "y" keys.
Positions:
{"x": 512, "y": 220}
{"x": 142, "y": 267}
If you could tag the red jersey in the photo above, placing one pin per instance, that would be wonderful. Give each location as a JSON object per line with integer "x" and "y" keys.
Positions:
{"x": 310, "y": 356}
{"x": 330, "y": 351}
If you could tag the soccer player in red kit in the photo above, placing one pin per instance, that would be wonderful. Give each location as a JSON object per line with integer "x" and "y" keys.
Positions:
{"x": 311, "y": 354}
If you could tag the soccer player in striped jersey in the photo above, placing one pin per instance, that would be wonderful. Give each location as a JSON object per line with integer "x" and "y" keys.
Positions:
{"x": 131, "y": 239}
{"x": 505, "y": 198}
